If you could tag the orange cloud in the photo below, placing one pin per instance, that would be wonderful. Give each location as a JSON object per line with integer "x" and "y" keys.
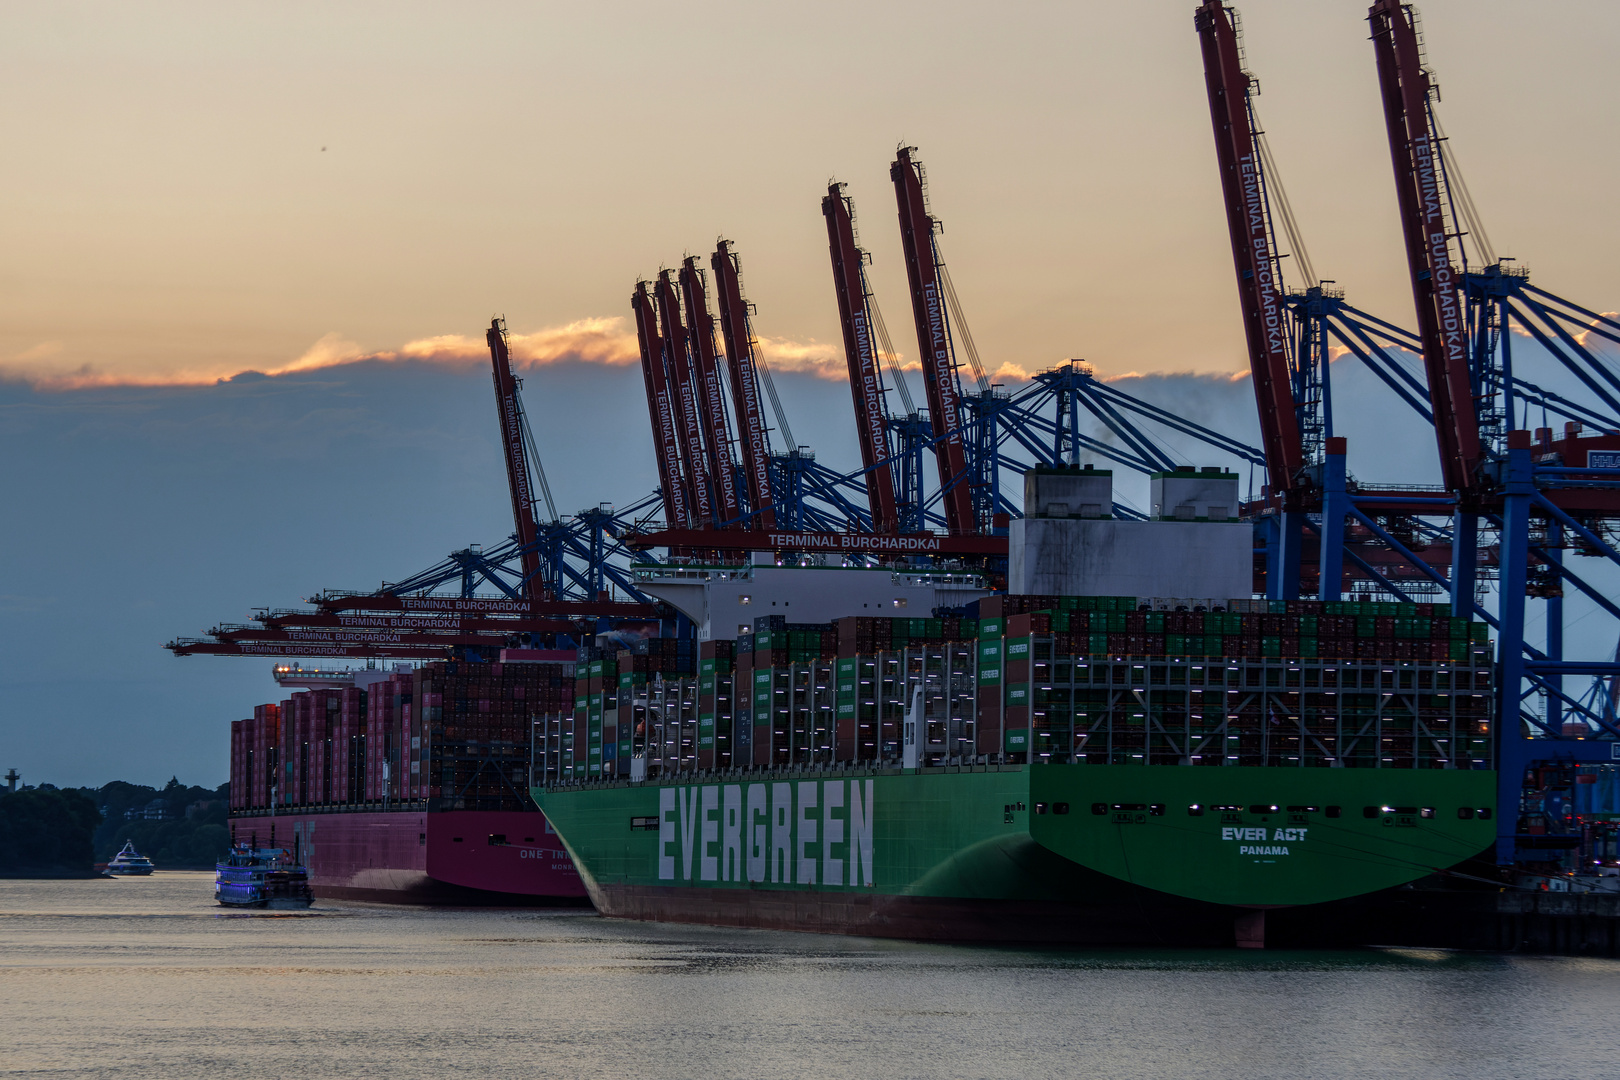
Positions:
{"x": 1588, "y": 338}
{"x": 590, "y": 341}
{"x": 1230, "y": 376}
{"x": 51, "y": 365}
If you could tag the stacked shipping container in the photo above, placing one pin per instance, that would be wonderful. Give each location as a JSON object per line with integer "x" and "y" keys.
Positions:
{"x": 594, "y": 738}
{"x": 1081, "y": 679}
{"x": 444, "y": 736}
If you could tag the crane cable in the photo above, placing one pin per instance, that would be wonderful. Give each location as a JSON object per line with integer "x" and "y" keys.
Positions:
{"x": 538, "y": 470}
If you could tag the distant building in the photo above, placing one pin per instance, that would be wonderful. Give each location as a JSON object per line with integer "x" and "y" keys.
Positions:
{"x": 156, "y": 810}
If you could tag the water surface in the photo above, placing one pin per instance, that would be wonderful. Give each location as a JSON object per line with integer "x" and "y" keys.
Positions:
{"x": 148, "y": 978}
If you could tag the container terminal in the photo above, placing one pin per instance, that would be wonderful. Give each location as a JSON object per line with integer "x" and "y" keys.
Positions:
{"x": 909, "y": 702}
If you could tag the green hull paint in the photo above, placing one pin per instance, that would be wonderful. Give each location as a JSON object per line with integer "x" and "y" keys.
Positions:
{"x": 980, "y": 835}
{"x": 1304, "y": 858}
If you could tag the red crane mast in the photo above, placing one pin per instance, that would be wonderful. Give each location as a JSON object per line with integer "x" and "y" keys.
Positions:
{"x": 1435, "y": 264}
{"x": 1254, "y": 250}
{"x": 917, "y": 229}
{"x": 710, "y": 394}
{"x": 860, "y": 350}
{"x": 684, "y": 397}
{"x": 510, "y": 407}
{"x": 661, "y": 409}
{"x": 744, "y": 379}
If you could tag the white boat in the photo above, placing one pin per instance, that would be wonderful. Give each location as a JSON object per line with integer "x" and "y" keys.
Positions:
{"x": 129, "y": 863}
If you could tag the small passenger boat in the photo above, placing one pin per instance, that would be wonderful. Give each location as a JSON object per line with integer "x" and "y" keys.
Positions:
{"x": 129, "y": 863}
{"x": 261, "y": 878}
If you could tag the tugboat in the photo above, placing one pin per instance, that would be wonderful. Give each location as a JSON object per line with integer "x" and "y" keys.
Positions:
{"x": 129, "y": 863}
{"x": 253, "y": 877}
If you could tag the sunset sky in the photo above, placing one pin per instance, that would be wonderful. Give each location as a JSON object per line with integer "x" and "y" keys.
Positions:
{"x": 198, "y": 189}
{"x": 340, "y": 197}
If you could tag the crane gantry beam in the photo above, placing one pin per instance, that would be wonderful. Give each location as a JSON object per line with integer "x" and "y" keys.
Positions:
{"x": 741, "y": 365}
{"x": 683, "y": 395}
{"x": 1254, "y": 247}
{"x": 710, "y": 395}
{"x": 509, "y": 405}
{"x": 1435, "y": 261}
{"x": 660, "y": 407}
{"x": 917, "y": 230}
{"x": 861, "y": 353}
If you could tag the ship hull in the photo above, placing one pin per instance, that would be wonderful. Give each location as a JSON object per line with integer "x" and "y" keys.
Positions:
{"x": 415, "y": 857}
{"x": 1074, "y": 854}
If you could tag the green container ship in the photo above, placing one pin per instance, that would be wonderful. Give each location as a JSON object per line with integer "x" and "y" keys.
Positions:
{"x": 997, "y": 779}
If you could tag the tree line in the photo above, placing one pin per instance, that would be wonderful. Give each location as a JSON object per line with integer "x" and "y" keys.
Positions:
{"x": 51, "y": 831}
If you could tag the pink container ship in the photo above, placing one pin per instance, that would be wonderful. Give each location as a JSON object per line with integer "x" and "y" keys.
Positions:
{"x": 408, "y": 786}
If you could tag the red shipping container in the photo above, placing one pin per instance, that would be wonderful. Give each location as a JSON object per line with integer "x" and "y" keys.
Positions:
{"x": 237, "y": 727}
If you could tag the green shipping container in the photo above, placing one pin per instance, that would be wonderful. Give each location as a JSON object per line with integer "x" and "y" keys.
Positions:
{"x": 1016, "y": 740}
{"x": 847, "y": 677}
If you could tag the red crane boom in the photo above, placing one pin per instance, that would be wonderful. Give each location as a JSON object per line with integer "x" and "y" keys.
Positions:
{"x": 1435, "y": 266}
{"x": 1254, "y": 251}
{"x": 683, "y": 395}
{"x": 744, "y": 378}
{"x": 917, "y": 229}
{"x": 661, "y": 409}
{"x": 860, "y": 350}
{"x": 510, "y": 407}
{"x": 710, "y": 395}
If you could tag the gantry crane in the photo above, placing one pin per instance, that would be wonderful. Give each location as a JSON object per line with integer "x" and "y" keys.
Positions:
{"x": 1464, "y": 316}
{"x": 515, "y": 442}
{"x": 1288, "y": 334}
{"x": 404, "y": 621}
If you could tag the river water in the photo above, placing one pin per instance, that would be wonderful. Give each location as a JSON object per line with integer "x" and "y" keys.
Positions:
{"x": 147, "y": 978}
